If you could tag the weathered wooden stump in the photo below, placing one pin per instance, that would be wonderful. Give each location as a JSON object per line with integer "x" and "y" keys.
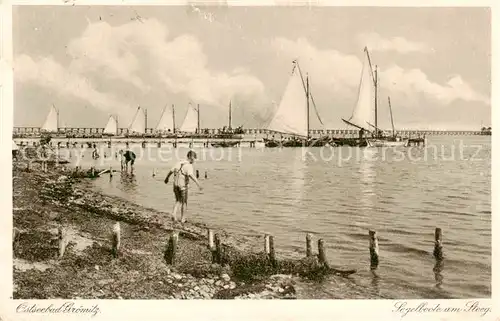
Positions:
{"x": 211, "y": 245}
{"x": 16, "y": 234}
{"x": 309, "y": 245}
{"x": 218, "y": 249}
{"x": 62, "y": 241}
{"x": 322, "y": 254}
{"x": 115, "y": 241}
{"x": 267, "y": 246}
{"x": 272, "y": 253}
{"x": 438, "y": 245}
{"x": 171, "y": 248}
{"x": 373, "y": 250}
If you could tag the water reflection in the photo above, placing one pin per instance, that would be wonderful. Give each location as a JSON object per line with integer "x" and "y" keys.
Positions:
{"x": 375, "y": 281}
{"x": 438, "y": 276}
{"x": 129, "y": 182}
{"x": 297, "y": 179}
{"x": 367, "y": 179}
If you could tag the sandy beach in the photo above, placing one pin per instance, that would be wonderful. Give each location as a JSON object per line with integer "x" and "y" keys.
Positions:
{"x": 45, "y": 202}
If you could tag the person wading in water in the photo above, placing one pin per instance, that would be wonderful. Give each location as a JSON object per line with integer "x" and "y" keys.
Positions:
{"x": 127, "y": 157}
{"x": 182, "y": 171}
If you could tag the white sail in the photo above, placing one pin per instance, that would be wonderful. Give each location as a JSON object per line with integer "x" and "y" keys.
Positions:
{"x": 138, "y": 124}
{"x": 291, "y": 115}
{"x": 364, "y": 112}
{"x": 111, "y": 127}
{"x": 51, "y": 122}
{"x": 166, "y": 121}
{"x": 190, "y": 123}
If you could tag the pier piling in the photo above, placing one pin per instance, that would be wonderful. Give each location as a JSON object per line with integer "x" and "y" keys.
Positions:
{"x": 309, "y": 245}
{"x": 116, "y": 239}
{"x": 373, "y": 250}
{"x": 438, "y": 245}
{"x": 206, "y": 175}
{"x": 322, "y": 253}
{"x": 62, "y": 241}
{"x": 171, "y": 248}
{"x": 197, "y": 174}
{"x": 110, "y": 171}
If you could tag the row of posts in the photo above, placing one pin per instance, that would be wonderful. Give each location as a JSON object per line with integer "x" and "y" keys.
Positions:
{"x": 216, "y": 248}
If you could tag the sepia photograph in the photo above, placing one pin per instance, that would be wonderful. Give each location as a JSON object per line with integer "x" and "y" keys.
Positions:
{"x": 222, "y": 152}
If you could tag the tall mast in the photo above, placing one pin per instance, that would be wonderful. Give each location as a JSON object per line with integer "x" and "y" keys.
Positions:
{"x": 392, "y": 120}
{"x": 198, "y": 118}
{"x": 57, "y": 112}
{"x": 173, "y": 118}
{"x": 307, "y": 97}
{"x": 229, "y": 115}
{"x": 161, "y": 116}
{"x": 145, "y": 120}
{"x": 376, "y": 101}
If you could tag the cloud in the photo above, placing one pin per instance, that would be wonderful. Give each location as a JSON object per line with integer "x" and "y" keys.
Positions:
{"x": 178, "y": 64}
{"x": 141, "y": 55}
{"x": 376, "y": 42}
{"x": 329, "y": 69}
{"x": 49, "y": 74}
{"x": 340, "y": 73}
{"x": 412, "y": 81}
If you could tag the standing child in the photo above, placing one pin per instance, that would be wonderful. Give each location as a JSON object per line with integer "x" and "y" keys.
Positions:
{"x": 183, "y": 172}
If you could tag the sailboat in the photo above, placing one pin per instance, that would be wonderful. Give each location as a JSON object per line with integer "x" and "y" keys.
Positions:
{"x": 227, "y": 133}
{"x": 292, "y": 115}
{"x": 191, "y": 120}
{"x": 51, "y": 124}
{"x": 138, "y": 125}
{"x": 111, "y": 128}
{"x": 365, "y": 113}
{"x": 166, "y": 124}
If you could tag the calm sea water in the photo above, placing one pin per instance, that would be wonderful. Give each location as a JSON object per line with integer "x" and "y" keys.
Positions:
{"x": 339, "y": 194}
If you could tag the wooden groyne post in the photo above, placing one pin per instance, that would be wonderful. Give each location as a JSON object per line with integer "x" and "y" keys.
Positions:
{"x": 197, "y": 174}
{"x": 218, "y": 249}
{"x": 438, "y": 244}
{"x": 373, "y": 250}
{"x": 322, "y": 253}
{"x": 211, "y": 245}
{"x": 269, "y": 249}
{"x": 62, "y": 241}
{"x": 110, "y": 171}
{"x": 115, "y": 241}
{"x": 171, "y": 248}
{"x": 309, "y": 245}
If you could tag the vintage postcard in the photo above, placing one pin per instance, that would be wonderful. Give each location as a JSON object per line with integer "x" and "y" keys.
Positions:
{"x": 195, "y": 160}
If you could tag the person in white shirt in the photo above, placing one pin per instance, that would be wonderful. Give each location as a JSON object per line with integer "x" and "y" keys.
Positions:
{"x": 183, "y": 172}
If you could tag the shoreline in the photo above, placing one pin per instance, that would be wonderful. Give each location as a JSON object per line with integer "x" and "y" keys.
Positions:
{"x": 87, "y": 270}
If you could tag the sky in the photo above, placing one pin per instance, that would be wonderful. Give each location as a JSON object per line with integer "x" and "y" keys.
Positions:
{"x": 95, "y": 61}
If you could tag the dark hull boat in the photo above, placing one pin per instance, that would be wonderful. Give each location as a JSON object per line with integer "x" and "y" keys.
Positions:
{"x": 224, "y": 144}
{"x": 294, "y": 142}
{"x": 351, "y": 142}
